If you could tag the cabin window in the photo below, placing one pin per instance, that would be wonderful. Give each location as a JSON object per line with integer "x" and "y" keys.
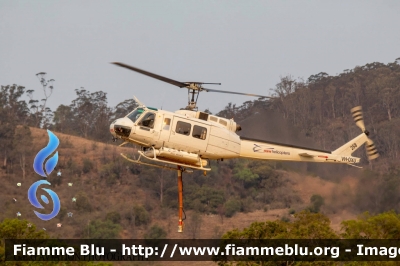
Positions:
{"x": 183, "y": 128}
{"x": 167, "y": 123}
{"x": 203, "y": 116}
{"x": 199, "y": 132}
{"x": 147, "y": 120}
{"x": 213, "y": 118}
{"x": 135, "y": 114}
{"x": 223, "y": 122}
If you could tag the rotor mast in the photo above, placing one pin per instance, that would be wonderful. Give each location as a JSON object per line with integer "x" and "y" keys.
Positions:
{"x": 191, "y": 101}
{"x": 194, "y": 89}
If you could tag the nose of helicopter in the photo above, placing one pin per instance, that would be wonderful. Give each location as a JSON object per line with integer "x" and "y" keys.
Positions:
{"x": 121, "y": 127}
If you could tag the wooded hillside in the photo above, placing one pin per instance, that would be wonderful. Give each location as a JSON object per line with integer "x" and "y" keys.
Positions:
{"x": 313, "y": 112}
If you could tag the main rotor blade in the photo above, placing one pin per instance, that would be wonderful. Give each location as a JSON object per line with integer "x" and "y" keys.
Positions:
{"x": 144, "y": 72}
{"x": 232, "y": 92}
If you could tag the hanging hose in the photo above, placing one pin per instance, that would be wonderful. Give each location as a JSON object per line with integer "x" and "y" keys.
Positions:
{"x": 182, "y": 206}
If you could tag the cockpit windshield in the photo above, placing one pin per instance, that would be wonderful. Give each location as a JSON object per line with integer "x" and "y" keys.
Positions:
{"x": 135, "y": 114}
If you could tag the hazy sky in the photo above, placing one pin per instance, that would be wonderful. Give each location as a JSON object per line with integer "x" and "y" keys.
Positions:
{"x": 245, "y": 45}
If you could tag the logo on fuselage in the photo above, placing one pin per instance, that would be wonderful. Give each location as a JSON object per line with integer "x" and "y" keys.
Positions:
{"x": 258, "y": 148}
{"x": 266, "y": 149}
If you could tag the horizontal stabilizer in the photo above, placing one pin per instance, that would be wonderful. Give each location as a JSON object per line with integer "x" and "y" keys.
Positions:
{"x": 356, "y": 166}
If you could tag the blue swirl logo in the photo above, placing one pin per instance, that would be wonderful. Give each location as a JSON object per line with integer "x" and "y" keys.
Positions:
{"x": 32, "y": 198}
{"x": 44, "y": 153}
{"x": 44, "y": 169}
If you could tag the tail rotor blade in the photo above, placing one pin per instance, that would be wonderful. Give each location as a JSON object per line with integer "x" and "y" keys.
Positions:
{"x": 372, "y": 152}
{"x": 358, "y": 117}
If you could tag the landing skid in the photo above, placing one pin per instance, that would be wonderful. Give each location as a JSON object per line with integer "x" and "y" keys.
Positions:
{"x": 148, "y": 164}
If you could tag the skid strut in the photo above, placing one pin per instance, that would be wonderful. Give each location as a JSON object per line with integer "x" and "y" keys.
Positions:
{"x": 180, "y": 199}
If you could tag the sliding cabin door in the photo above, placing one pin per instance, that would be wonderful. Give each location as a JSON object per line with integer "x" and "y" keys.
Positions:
{"x": 189, "y": 135}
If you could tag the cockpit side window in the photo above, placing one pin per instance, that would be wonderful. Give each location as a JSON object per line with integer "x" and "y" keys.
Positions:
{"x": 147, "y": 120}
{"x": 135, "y": 114}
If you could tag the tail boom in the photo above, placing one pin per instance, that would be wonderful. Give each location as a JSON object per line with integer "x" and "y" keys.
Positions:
{"x": 257, "y": 149}
{"x": 265, "y": 150}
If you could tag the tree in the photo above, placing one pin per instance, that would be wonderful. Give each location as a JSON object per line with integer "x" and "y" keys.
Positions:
{"x": 161, "y": 181}
{"x": 111, "y": 171}
{"x": 87, "y": 165}
{"x": 141, "y": 216}
{"x": 269, "y": 181}
{"x": 331, "y": 92}
{"x": 63, "y": 120}
{"x": 381, "y": 226}
{"x": 103, "y": 229}
{"x": 41, "y": 114}
{"x": 231, "y": 207}
{"x": 244, "y": 173}
{"x": 193, "y": 224}
{"x": 388, "y": 86}
{"x": 305, "y": 225}
{"x": 204, "y": 198}
{"x": 259, "y": 230}
{"x": 91, "y": 115}
{"x": 82, "y": 202}
{"x": 156, "y": 232}
{"x": 123, "y": 108}
{"x": 316, "y": 203}
{"x": 164, "y": 180}
{"x": 229, "y": 111}
{"x": 12, "y": 112}
{"x": 22, "y": 146}
{"x": 283, "y": 91}
{"x": 6, "y": 139}
{"x": 114, "y": 217}
{"x": 18, "y": 229}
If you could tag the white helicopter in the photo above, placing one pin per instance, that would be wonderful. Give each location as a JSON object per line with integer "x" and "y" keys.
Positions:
{"x": 188, "y": 139}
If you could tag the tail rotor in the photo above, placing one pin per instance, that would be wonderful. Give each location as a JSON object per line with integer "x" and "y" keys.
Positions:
{"x": 372, "y": 152}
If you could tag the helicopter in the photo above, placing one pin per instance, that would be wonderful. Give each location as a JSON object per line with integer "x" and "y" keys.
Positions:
{"x": 188, "y": 139}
